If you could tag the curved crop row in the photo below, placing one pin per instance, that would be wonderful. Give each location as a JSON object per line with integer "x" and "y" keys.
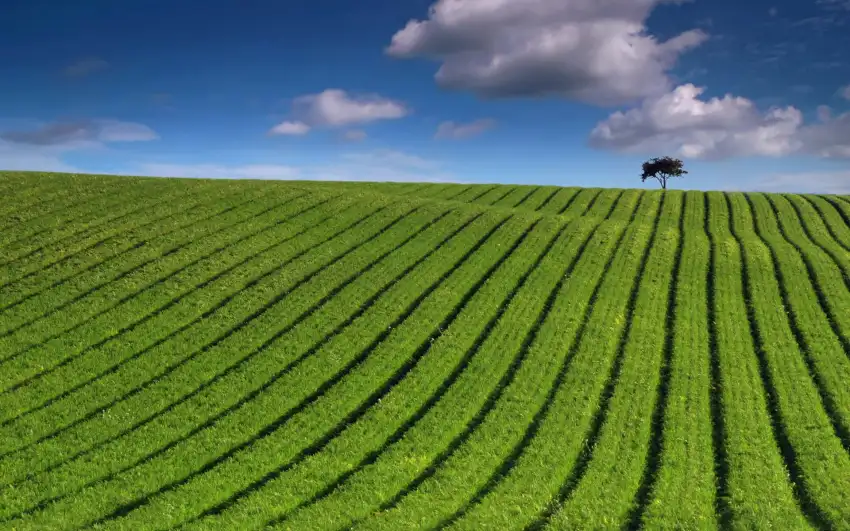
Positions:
{"x": 680, "y": 490}
{"x": 450, "y": 416}
{"x": 190, "y": 289}
{"x": 454, "y": 347}
{"x": 216, "y": 442}
{"x": 816, "y": 460}
{"x": 233, "y": 318}
{"x": 552, "y": 442}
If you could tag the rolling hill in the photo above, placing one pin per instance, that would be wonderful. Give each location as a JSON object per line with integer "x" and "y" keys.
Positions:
{"x": 210, "y": 354}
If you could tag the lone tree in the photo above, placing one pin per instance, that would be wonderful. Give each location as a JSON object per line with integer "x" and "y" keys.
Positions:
{"x": 661, "y": 169}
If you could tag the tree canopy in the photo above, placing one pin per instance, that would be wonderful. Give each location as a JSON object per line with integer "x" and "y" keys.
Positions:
{"x": 662, "y": 169}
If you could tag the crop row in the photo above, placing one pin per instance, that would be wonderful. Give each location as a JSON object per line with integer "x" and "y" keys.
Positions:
{"x": 206, "y": 316}
{"x": 819, "y": 466}
{"x": 109, "y": 210}
{"x": 154, "y": 311}
{"x": 240, "y": 343}
{"x": 22, "y": 277}
{"x": 454, "y": 421}
{"x": 76, "y": 300}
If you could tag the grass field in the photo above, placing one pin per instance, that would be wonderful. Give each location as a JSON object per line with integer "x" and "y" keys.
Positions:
{"x": 202, "y": 354}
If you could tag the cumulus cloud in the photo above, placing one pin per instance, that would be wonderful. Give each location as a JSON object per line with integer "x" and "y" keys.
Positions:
{"x": 458, "y": 131}
{"x": 84, "y": 67}
{"x": 717, "y": 128}
{"x": 828, "y": 139}
{"x": 336, "y": 108}
{"x": 844, "y": 92}
{"x": 217, "y": 171}
{"x": 290, "y": 128}
{"x": 81, "y": 133}
{"x": 598, "y": 52}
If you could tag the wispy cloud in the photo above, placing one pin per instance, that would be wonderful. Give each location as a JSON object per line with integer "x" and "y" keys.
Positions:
{"x": 458, "y": 131}
{"x": 290, "y": 129}
{"x": 81, "y": 133}
{"x": 835, "y": 182}
{"x": 336, "y": 108}
{"x": 218, "y": 171}
{"x": 382, "y": 165}
{"x": 84, "y": 67}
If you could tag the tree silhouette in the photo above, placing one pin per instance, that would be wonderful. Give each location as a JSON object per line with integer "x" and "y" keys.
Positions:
{"x": 661, "y": 169}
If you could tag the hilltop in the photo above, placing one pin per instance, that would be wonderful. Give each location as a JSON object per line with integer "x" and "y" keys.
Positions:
{"x": 225, "y": 354}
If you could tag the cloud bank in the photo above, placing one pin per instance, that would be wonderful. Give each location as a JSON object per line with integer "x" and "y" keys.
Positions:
{"x": 596, "y": 52}
{"x": 682, "y": 123}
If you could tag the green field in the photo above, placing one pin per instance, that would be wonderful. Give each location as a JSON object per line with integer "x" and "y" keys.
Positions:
{"x": 210, "y": 354}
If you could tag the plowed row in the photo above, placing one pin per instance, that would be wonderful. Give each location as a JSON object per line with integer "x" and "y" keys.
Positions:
{"x": 203, "y": 354}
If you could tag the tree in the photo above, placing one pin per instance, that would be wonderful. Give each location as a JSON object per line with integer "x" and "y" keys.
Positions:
{"x": 661, "y": 169}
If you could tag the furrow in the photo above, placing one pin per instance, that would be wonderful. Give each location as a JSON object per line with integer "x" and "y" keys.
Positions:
{"x": 67, "y": 268}
{"x": 525, "y": 197}
{"x": 27, "y": 352}
{"x": 154, "y": 432}
{"x": 56, "y": 390}
{"x": 812, "y": 314}
{"x": 213, "y": 327}
{"x": 30, "y": 337}
{"x": 460, "y": 465}
{"x": 451, "y": 353}
{"x": 70, "y": 200}
{"x": 543, "y": 197}
{"x": 75, "y": 229}
{"x": 806, "y": 446}
{"x": 560, "y": 200}
{"x": 571, "y": 308}
{"x": 625, "y": 435}
{"x": 835, "y": 224}
{"x": 227, "y": 439}
{"x": 680, "y": 489}
{"x": 362, "y": 424}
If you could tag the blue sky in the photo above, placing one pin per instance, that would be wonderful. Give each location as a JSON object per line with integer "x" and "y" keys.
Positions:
{"x": 752, "y": 95}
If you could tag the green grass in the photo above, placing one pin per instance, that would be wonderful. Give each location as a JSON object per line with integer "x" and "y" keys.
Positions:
{"x": 203, "y": 354}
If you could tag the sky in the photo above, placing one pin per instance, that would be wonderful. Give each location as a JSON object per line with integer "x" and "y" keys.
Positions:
{"x": 750, "y": 95}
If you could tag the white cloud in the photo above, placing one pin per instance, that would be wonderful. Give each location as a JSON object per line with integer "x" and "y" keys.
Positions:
{"x": 81, "y": 133}
{"x": 828, "y": 139}
{"x": 40, "y": 148}
{"x": 336, "y": 108}
{"x": 382, "y": 165}
{"x": 844, "y": 92}
{"x": 389, "y": 158}
{"x": 217, "y": 171}
{"x": 290, "y": 128}
{"x": 32, "y": 158}
{"x": 457, "y": 131}
{"x": 681, "y": 123}
{"x": 837, "y": 182}
{"x": 115, "y": 131}
{"x": 377, "y": 165}
{"x": 593, "y": 51}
